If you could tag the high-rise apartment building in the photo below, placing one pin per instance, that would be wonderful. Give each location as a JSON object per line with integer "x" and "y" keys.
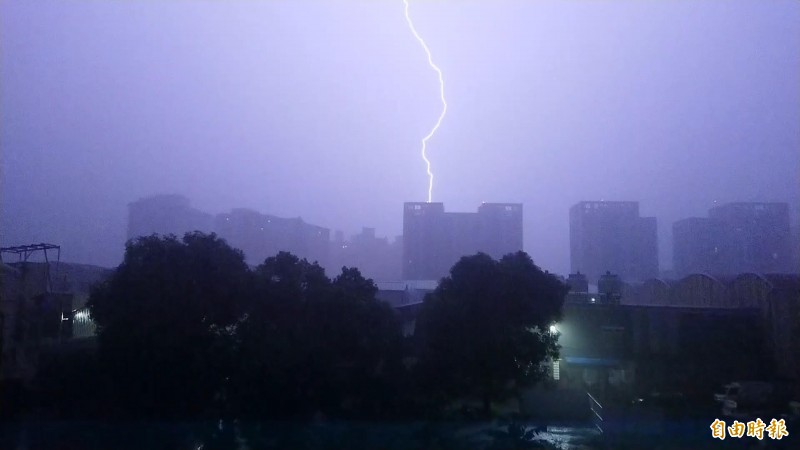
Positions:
{"x": 612, "y": 237}
{"x": 735, "y": 238}
{"x": 260, "y": 236}
{"x": 434, "y": 240}
{"x": 696, "y": 246}
{"x": 165, "y": 214}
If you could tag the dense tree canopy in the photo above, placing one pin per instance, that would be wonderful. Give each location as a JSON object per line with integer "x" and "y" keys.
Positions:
{"x": 484, "y": 332}
{"x": 188, "y": 332}
{"x": 161, "y": 318}
{"x": 321, "y": 344}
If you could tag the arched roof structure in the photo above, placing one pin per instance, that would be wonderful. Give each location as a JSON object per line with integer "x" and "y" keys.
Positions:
{"x": 701, "y": 290}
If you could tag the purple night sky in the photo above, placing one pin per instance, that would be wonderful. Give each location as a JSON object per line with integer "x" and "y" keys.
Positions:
{"x": 316, "y": 109}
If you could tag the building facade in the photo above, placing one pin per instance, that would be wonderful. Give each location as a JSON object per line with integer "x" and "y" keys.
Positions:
{"x": 260, "y": 236}
{"x": 612, "y": 237}
{"x": 774, "y": 299}
{"x": 688, "y": 335}
{"x": 165, "y": 214}
{"x": 697, "y": 243}
{"x": 375, "y": 257}
{"x": 735, "y": 238}
{"x": 756, "y": 237}
{"x": 434, "y": 240}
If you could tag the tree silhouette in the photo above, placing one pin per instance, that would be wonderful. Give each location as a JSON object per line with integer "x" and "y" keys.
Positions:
{"x": 162, "y": 320}
{"x": 275, "y": 366}
{"x": 311, "y": 345}
{"x": 484, "y": 332}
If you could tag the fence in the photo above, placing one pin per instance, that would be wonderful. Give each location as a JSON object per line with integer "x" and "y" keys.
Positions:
{"x": 597, "y": 412}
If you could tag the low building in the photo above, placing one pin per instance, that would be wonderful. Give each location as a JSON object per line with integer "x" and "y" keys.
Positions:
{"x": 43, "y": 305}
{"x": 622, "y": 349}
{"x": 776, "y": 297}
{"x": 691, "y": 333}
{"x": 406, "y": 298}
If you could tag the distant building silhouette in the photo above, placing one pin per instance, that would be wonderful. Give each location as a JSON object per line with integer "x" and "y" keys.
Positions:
{"x": 735, "y": 238}
{"x": 757, "y": 237}
{"x": 434, "y": 240}
{"x": 165, "y": 214}
{"x": 375, "y": 257}
{"x": 612, "y": 237}
{"x": 260, "y": 236}
{"x": 696, "y": 246}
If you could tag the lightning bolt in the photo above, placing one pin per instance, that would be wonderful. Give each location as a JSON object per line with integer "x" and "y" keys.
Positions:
{"x": 441, "y": 95}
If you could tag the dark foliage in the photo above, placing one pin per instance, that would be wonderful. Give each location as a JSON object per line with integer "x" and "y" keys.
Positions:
{"x": 195, "y": 347}
{"x": 484, "y": 332}
{"x": 162, "y": 320}
{"x": 309, "y": 345}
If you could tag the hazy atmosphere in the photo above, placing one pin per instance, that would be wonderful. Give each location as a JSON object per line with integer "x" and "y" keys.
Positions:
{"x": 399, "y": 224}
{"x": 316, "y": 109}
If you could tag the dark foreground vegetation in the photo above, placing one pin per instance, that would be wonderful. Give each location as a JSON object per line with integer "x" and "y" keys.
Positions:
{"x": 194, "y": 349}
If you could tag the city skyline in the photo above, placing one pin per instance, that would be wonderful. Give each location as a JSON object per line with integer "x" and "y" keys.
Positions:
{"x": 399, "y": 224}
{"x": 606, "y": 236}
{"x": 315, "y": 109}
